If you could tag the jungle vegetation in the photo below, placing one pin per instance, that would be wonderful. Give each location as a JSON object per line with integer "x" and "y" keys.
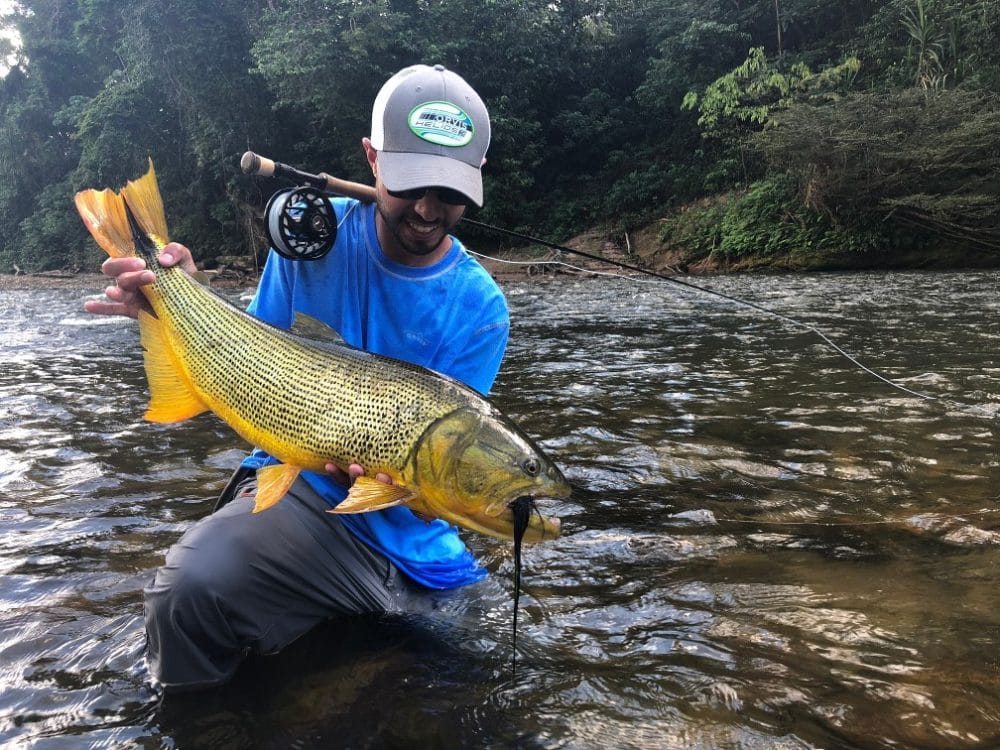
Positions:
{"x": 797, "y": 132}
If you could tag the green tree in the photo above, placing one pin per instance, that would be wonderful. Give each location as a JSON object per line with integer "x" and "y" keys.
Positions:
{"x": 37, "y": 150}
{"x": 744, "y": 98}
{"x": 586, "y": 98}
{"x": 926, "y": 162}
{"x": 926, "y": 46}
{"x": 184, "y": 95}
{"x": 951, "y": 40}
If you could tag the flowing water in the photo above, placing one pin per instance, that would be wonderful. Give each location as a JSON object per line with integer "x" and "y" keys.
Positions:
{"x": 768, "y": 546}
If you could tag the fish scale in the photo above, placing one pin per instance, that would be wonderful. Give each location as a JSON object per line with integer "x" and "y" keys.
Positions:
{"x": 291, "y": 399}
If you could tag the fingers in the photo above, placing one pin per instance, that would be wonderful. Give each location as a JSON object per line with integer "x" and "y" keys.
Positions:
{"x": 129, "y": 275}
{"x": 123, "y": 296}
{"x": 338, "y": 474}
{"x": 380, "y": 476}
{"x": 353, "y": 472}
{"x": 97, "y": 307}
{"x": 176, "y": 254}
{"x": 357, "y": 470}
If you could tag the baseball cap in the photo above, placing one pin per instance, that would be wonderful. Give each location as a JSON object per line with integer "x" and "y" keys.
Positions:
{"x": 431, "y": 129}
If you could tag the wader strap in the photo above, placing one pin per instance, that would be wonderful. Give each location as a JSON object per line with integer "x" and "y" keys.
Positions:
{"x": 239, "y": 476}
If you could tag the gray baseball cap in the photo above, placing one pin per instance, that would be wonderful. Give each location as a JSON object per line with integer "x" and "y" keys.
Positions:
{"x": 431, "y": 129}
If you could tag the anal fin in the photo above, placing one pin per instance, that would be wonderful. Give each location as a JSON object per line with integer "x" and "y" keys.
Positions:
{"x": 171, "y": 398}
{"x": 273, "y": 483}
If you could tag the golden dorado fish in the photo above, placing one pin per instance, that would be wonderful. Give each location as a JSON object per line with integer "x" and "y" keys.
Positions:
{"x": 449, "y": 452}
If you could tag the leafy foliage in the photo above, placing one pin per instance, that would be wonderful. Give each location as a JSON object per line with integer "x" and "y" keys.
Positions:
{"x": 766, "y": 221}
{"x": 752, "y": 90}
{"x": 927, "y": 161}
{"x": 586, "y": 98}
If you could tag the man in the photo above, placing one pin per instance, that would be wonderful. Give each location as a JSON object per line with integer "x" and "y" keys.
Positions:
{"x": 396, "y": 283}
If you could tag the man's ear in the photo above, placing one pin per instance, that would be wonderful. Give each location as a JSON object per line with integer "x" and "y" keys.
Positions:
{"x": 371, "y": 154}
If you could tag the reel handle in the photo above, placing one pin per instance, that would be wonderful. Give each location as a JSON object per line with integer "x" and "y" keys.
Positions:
{"x": 255, "y": 164}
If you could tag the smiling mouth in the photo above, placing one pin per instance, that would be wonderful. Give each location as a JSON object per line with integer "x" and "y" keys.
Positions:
{"x": 420, "y": 238}
{"x": 422, "y": 228}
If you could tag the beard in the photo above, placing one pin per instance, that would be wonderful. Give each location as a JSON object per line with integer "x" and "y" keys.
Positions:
{"x": 411, "y": 233}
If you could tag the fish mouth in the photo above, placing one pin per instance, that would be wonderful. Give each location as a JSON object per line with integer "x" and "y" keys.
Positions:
{"x": 498, "y": 519}
{"x": 514, "y": 517}
{"x": 527, "y": 521}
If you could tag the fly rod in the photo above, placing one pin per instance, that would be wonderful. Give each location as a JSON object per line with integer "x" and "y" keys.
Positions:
{"x": 254, "y": 164}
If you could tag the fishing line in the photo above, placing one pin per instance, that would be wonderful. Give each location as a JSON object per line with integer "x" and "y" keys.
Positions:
{"x": 552, "y": 262}
{"x": 722, "y": 295}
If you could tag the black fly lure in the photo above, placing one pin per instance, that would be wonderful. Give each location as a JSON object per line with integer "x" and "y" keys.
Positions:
{"x": 522, "y": 508}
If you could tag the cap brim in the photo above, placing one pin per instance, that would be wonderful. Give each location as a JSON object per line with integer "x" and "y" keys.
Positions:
{"x": 405, "y": 171}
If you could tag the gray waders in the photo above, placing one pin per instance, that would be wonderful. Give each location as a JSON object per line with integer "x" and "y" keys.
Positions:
{"x": 238, "y": 583}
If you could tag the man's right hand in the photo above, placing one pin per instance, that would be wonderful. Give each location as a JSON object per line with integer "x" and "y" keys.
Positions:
{"x": 129, "y": 274}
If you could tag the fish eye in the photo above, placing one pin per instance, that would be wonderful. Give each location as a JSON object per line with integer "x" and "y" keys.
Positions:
{"x": 531, "y": 467}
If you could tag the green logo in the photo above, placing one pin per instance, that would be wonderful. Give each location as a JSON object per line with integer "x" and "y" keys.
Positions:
{"x": 441, "y": 123}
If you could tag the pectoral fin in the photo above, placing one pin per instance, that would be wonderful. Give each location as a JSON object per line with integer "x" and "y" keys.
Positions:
{"x": 171, "y": 398}
{"x": 369, "y": 494}
{"x": 273, "y": 483}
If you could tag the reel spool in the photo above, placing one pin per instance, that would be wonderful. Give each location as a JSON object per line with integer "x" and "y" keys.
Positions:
{"x": 300, "y": 223}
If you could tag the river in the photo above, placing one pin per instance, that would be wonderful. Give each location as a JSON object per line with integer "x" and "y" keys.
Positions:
{"x": 768, "y": 547}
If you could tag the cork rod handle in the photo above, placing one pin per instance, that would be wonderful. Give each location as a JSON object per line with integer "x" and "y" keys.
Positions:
{"x": 255, "y": 164}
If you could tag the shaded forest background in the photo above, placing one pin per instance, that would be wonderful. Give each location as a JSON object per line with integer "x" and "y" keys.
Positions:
{"x": 805, "y": 133}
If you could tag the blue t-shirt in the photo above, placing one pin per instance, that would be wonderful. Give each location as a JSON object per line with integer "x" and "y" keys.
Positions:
{"x": 450, "y": 317}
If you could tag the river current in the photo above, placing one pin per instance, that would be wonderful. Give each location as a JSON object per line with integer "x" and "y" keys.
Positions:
{"x": 768, "y": 547}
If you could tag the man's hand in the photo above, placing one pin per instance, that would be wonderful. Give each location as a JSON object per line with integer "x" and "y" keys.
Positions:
{"x": 353, "y": 472}
{"x": 124, "y": 297}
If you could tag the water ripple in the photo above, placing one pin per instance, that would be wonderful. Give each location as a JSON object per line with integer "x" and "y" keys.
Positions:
{"x": 765, "y": 548}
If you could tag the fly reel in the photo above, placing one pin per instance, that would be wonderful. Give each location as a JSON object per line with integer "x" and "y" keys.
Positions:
{"x": 300, "y": 223}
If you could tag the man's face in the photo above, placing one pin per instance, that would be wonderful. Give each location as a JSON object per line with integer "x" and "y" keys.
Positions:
{"x": 412, "y": 229}
{"x": 417, "y": 227}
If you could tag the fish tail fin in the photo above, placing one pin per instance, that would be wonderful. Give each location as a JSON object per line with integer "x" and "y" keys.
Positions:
{"x": 143, "y": 199}
{"x": 106, "y": 216}
{"x": 103, "y": 213}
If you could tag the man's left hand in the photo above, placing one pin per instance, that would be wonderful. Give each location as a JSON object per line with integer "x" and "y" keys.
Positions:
{"x": 353, "y": 472}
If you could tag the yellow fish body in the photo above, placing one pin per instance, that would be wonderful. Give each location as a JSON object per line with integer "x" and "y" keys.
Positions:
{"x": 449, "y": 452}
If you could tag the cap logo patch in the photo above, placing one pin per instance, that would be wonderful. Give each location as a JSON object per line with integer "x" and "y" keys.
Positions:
{"x": 441, "y": 123}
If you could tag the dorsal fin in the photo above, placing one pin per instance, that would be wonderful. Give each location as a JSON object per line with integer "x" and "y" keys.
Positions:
{"x": 314, "y": 329}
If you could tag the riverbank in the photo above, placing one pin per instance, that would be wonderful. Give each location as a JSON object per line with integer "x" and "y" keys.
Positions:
{"x": 61, "y": 280}
{"x": 506, "y": 265}
{"x": 509, "y": 267}
{"x": 642, "y": 248}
